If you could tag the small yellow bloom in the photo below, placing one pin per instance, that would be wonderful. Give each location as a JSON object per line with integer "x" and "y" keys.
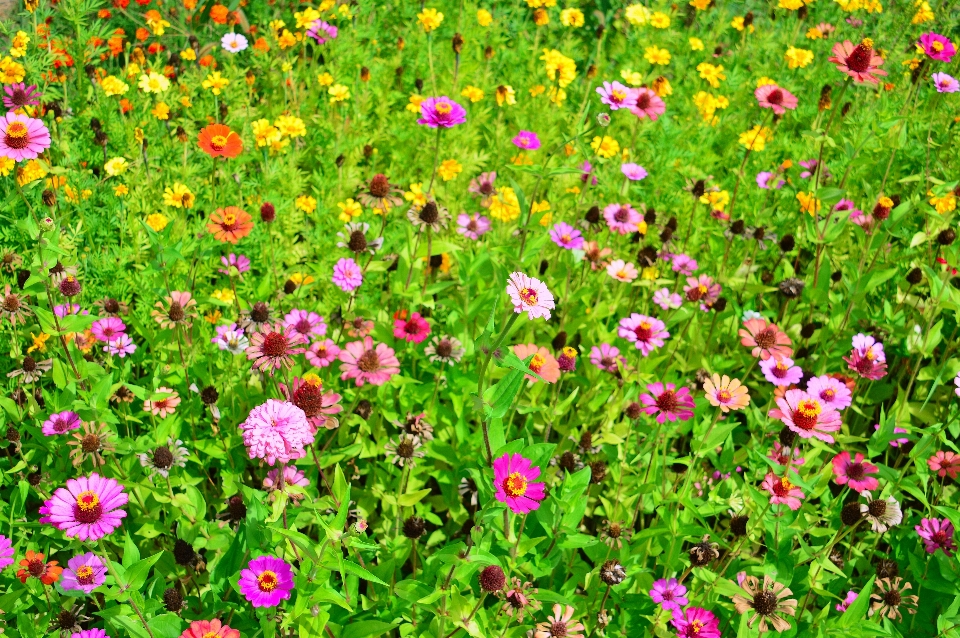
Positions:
{"x": 521, "y": 159}
{"x": 153, "y": 82}
{"x": 557, "y": 96}
{"x": 798, "y": 58}
{"x": 301, "y": 279}
{"x": 660, "y": 20}
{"x": 700, "y": 5}
{"x": 541, "y": 17}
{"x": 506, "y": 95}
{"x": 808, "y": 203}
{"x": 188, "y": 54}
{"x": 429, "y": 19}
{"x": 661, "y": 86}
{"x": 560, "y": 68}
{"x": 945, "y": 204}
{"x": 161, "y": 111}
{"x": 571, "y": 18}
{"x": 415, "y": 101}
{"x": 120, "y": 190}
{"x": 764, "y": 81}
{"x": 115, "y": 166}
{"x": 30, "y": 172}
{"x": 157, "y": 221}
{"x": 224, "y": 294}
{"x": 484, "y": 18}
{"x": 18, "y": 45}
{"x": 213, "y": 317}
{"x": 286, "y": 39}
{"x": 633, "y": 78}
{"x": 306, "y": 203}
{"x": 712, "y": 74}
{"x": 325, "y": 79}
{"x": 537, "y": 89}
{"x": 716, "y": 200}
{"x": 649, "y": 273}
{"x": 472, "y": 93}
{"x": 113, "y": 86}
{"x": 739, "y": 22}
{"x": 505, "y": 206}
{"x": 449, "y": 169}
{"x": 215, "y": 82}
{"x": 306, "y": 17}
{"x": 696, "y": 44}
{"x": 185, "y": 102}
{"x": 637, "y": 15}
{"x": 178, "y": 196}
{"x": 790, "y": 5}
{"x": 756, "y": 138}
{"x": 6, "y": 166}
{"x": 924, "y": 13}
{"x": 605, "y": 147}
{"x": 11, "y": 71}
{"x": 813, "y": 33}
{"x": 338, "y": 93}
{"x": 39, "y": 342}
{"x": 349, "y": 209}
{"x": 656, "y": 55}
{"x": 416, "y": 195}
{"x": 265, "y": 133}
{"x": 290, "y": 126}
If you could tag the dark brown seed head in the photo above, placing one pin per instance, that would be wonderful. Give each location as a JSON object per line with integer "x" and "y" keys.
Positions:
{"x": 850, "y": 514}
{"x": 260, "y": 312}
{"x": 172, "y": 600}
{"x": 29, "y": 364}
{"x": 457, "y": 43}
{"x": 175, "y": 313}
{"x": 699, "y": 188}
{"x": 429, "y": 214}
{"x": 22, "y": 276}
{"x": 598, "y": 471}
{"x": 290, "y": 287}
{"x": 559, "y": 341}
{"x": 738, "y": 525}
{"x": 738, "y": 227}
{"x": 568, "y": 461}
{"x": 267, "y": 212}
{"x": 765, "y": 602}
{"x": 414, "y": 527}
{"x": 364, "y": 409}
{"x": 236, "y": 508}
{"x": 633, "y": 411}
{"x": 946, "y": 237}
{"x": 915, "y": 276}
{"x": 209, "y": 395}
{"x": 183, "y": 552}
{"x": 791, "y": 288}
{"x": 492, "y": 579}
{"x": 357, "y": 242}
{"x": 593, "y": 215}
{"x": 787, "y": 243}
{"x": 886, "y": 568}
{"x": 12, "y": 434}
{"x": 612, "y": 572}
{"x": 877, "y": 508}
{"x": 787, "y": 437}
{"x": 162, "y": 458}
{"x": 66, "y": 620}
{"x": 49, "y": 198}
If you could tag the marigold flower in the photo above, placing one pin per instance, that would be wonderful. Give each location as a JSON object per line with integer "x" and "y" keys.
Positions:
{"x": 217, "y": 140}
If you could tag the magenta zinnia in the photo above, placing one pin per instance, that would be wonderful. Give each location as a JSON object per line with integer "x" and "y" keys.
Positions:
{"x": 273, "y": 348}
{"x": 415, "y": 329}
{"x": 937, "y": 534}
{"x": 668, "y": 403}
{"x": 646, "y": 333}
{"x": 266, "y": 581}
{"x": 514, "y": 479}
{"x": 806, "y": 415}
{"x": 854, "y": 472}
{"x": 276, "y": 431}
{"x": 22, "y": 137}
{"x": 87, "y": 509}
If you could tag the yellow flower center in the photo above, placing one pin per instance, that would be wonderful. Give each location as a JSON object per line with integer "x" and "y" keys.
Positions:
{"x": 937, "y": 46}
{"x": 312, "y": 379}
{"x": 229, "y": 219}
{"x": 218, "y": 142}
{"x": 17, "y": 129}
{"x": 618, "y": 95}
{"x": 702, "y": 289}
{"x": 515, "y": 485}
{"x": 536, "y": 364}
{"x": 267, "y": 581}
{"x": 84, "y": 572}
{"x": 88, "y": 500}
{"x": 528, "y": 296}
{"x": 696, "y": 626}
{"x": 724, "y": 396}
{"x": 809, "y": 408}
{"x": 443, "y": 108}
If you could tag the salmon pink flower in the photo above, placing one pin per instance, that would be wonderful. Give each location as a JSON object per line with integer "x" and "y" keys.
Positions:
{"x": 806, "y": 415}
{"x": 542, "y": 363}
{"x": 365, "y": 363}
{"x": 515, "y": 480}
{"x": 854, "y": 472}
{"x": 209, "y": 629}
{"x": 766, "y": 339}
{"x": 726, "y": 393}
{"x": 647, "y": 104}
{"x": 945, "y": 463}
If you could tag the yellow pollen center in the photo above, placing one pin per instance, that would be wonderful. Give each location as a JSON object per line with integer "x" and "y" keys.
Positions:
{"x": 696, "y": 625}
{"x": 528, "y": 296}
{"x": 785, "y": 482}
{"x": 867, "y": 43}
{"x": 870, "y": 356}
{"x": 618, "y": 95}
{"x": 566, "y": 238}
{"x": 809, "y": 408}
{"x": 16, "y": 130}
{"x": 622, "y": 273}
{"x": 724, "y": 396}
{"x": 537, "y": 363}
{"x": 85, "y": 571}
{"x": 312, "y": 379}
{"x": 828, "y": 395}
{"x": 443, "y": 108}
{"x": 937, "y": 46}
{"x": 267, "y": 581}
{"x": 86, "y": 501}
{"x": 702, "y": 289}
{"x": 229, "y": 219}
{"x": 219, "y": 142}
{"x": 211, "y": 634}
{"x": 515, "y": 485}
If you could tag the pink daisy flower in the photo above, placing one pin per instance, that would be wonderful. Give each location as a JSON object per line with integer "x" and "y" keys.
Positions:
{"x": 441, "y": 112}
{"x": 944, "y": 463}
{"x": 87, "y": 509}
{"x": 684, "y": 264}
{"x": 771, "y": 96}
{"x": 846, "y": 602}
{"x": 317, "y": 405}
{"x": 84, "y": 572}
{"x": 22, "y": 137}
{"x": 854, "y": 472}
{"x": 937, "y": 534}
{"x": 321, "y": 354}
{"x": 472, "y": 226}
{"x": 867, "y": 358}
{"x": 622, "y": 271}
{"x": 162, "y": 402}
{"x": 781, "y": 372}
{"x": 668, "y": 403}
{"x": 695, "y": 622}
{"x": 806, "y": 415}
{"x": 266, "y": 581}
{"x": 669, "y": 594}
{"x": 646, "y": 104}
{"x": 782, "y": 491}
{"x": 938, "y": 47}
{"x": 276, "y": 431}
{"x": 209, "y": 629}
{"x": 529, "y": 295}
{"x": 633, "y": 172}
{"x": 365, "y": 363}
{"x": 833, "y": 392}
{"x": 347, "y": 275}
{"x": 646, "y": 333}
{"x": 121, "y": 346}
{"x": 322, "y": 31}
{"x": 107, "y": 329}
{"x": 308, "y": 324}
{"x": 606, "y": 356}
{"x": 566, "y": 236}
{"x": 60, "y": 423}
{"x": 765, "y": 339}
{"x": 526, "y": 140}
{"x": 19, "y": 94}
{"x": 234, "y": 263}
{"x": 616, "y": 95}
{"x": 272, "y": 348}
{"x": 415, "y": 329}
{"x": 515, "y": 481}
{"x": 622, "y": 218}
{"x": 703, "y": 290}
{"x": 667, "y": 300}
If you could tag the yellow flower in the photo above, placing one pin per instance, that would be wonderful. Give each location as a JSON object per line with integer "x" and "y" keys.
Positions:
{"x": 700, "y": 5}
{"x": 115, "y": 166}
{"x": 414, "y": 105}
{"x": 449, "y": 169}
{"x": 472, "y": 93}
{"x": 301, "y": 279}
{"x": 188, "y": 54}
{"x": 575, "y": 190}
{"x": 224, "y": 294}
{"x": 18, "y": 45}
{"x": 157, "y": 221}
{"x": 153, "y": 82}
{"x": 416, "y": 195}
{"x": 286, "y": 39}
{"x": 655, "y": 55}
{"x": 696, "y": 44}
{"x": 660, "y": 20}
{"x": 716, "y": 200}
{"x": 339, "y": 93}
{"x": 557, "y": 96}
{"x": 39, "y": 342}
{"x": 156, "y": 23}
{"x": 113, "y": 86}
{"x": 913, "y": 63}
{"x": 325, "y": 79}
{"x": 521, "y": 159}
{"x": 265, "y": 133}
{"x": 738, "y": 24}
{"x": 429, "y": 19}
{"x": 505, "y": 206}
{"x": 506, "y": 95}
{"x": 571, "y": 18}
{"x": 306, "y": 17}
{"x": 6, "y": 166}
{"x": 945, "y": 204}
{"x": 120, "y": 190}
{"x": 756, "y": 138}
{"x": 161, "y": 111}
{"x": 536, "y": 90}
{"x": 306, "y": 203}
{"x": 11, "y": 71}
{"x": 764, "y": 81}
{"x": 276, "y": 25}
{"x": 559, "y": 67}
{"x": 924, "y": 13}
{"x": 633, "y": 78}
{"x": 712, "y": 74}
{"x": 790, "y": 5}
{"x": 808, "y": 203}
{"x": 30, "y": 172}
{"x": 290, "y": 126}
{"x": 649, "y": 273}
{"x": 605, "y": 147}
{"x": 661, "y": 86}
{"x": 539, "y": 207}
{"x": 215, "y": 82}
{"x": 349, "y": 209}
{"x": 484, "y": 18}
{"x": 798, "y": 58}
{"x": 637, "y": 15}
{"x": 185, "y": 102}
{"x": 541, "y": 17}
{"x": 213, "y": 317}
{"x": 813, "y": 33}
{"x": 178, "y": 196}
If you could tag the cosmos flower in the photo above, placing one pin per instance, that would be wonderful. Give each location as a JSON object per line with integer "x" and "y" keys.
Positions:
{"x": 668, "y": 403}
{"x": 515, "y": 482}
{"x": 233, "y": 42}
{"x": 89, "y": 508}
{"x": 854, "y": 472}
{"x": 937, "y": 534}
{"x": 472, "y": 226}
{"x": 780, "y": 371}
{"x": 937, "y": 47}
{"x": 266, "y": 581}
{"x": 806, "y": 415}
{"x": 529, "y": 295}
{"x": 646, "y": 333}
{"x": 307, "y": 324}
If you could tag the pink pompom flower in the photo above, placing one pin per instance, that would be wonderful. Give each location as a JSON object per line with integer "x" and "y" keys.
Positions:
{"x": 276, "y": 431}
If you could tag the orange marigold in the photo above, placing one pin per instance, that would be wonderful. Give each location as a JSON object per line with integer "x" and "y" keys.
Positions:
{"x": 218, "y": 140}
{"x": 219, "y": 13}
{"x": 230, "y": 224}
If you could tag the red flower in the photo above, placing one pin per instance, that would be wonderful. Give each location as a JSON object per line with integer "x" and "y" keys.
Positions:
{"x": 34, "y": 565}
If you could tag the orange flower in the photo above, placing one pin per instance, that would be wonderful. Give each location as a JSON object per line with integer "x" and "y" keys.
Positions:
{"x": 125, "y": 105}
{"x": 219, "y": 13}
{"x": 218, "y": 139}
{"x": 230, "y": 224}
{"x": 142, "y": 34}
{"x": 33, "y": 565}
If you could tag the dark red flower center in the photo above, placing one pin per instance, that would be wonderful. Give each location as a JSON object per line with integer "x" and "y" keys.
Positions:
{"x": 940, "y": 537}
{"x": 379, "y": 185}
{"x": 668, "y": 402}
{"x": 855, "y": 471}
{"x": 37, "y": 567}
{"x": 19, "y": 98}
{"x": 88, "y": 508}
{"x": 782, "y": 487}
{"x": 644, "y": 331}
{"x": 766, "y": 338}
{"x": 274, "y": 345}
{"x": 643, "y": 100}
{"x": 558, "y": 629}
{"x": 16, "y": 136}
{"x": 303, "y": 326}
{"x": 309, "y": 398}
{"x": 859, "y": 60}
{"x": 60, "y": 425}
{"x": 775, "y": 97}
{"x": 622, "y": 215}
{"x": 807, "y": 414}
{"x": 369, "y": 361}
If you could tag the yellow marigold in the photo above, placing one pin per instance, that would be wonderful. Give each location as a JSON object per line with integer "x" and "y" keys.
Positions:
{"x": 185, "y": 102}
{"x": 537, "y": 89}
{"x": 521, "y": 159}
{"x": 656, "y": 55}
{"x": 808, "y": 203}
{"x": 756, "y": 138}
{"x": 120, "y": 190}
{"x": 605, "y": 147}
{"x": 541, "y": 17}
{"x": 813, "y": 33}
{"x": 738, "y": 24}
{"x": 339, "y": 93}
{"x": 764, "y": 81}
{"x": 325, "y": 79}
{"x": 153, "y": 82}
{"x": 661, "y": 86}
{"x": 798, "y": 58}
{"x": 18, "y": 45}
{"x": 115, "y": 166}
{"x": 156, "y": 22}
{"x": 944, "y": 204}
{"x": 113, "y": 86}
{"x": 306, "y": 203}
{"x": 215, "y": 82}
{"x": 11, "y": 71}
{"x": 213, "y": 317}
{"x": 660, "y": 20}
{"x": 790, "y": 5}
{"x": 559, "y": 67}
{"x": 345, "y": 12}
{"x": 924, "y": 13}
{"x": 449, "y": 169}
{"x": 633, "y": 78}
{"x": 708, "y": 104}
{"x": 290, "y": 126}
{"x": 712, "y": 74}
{"x": 637, "y": 15}
{"x": 484, "y": 18}
{"x": 349, "y": 209}
{"x": 39, "y": 342}
{"x": 277, "y": 25}
{"x": 429, "y": 19}
{"x": 188, "y": 54}
{"x": 557, "y": 96}
{"x": 700, "y": 5}
{"x": 223, "y": 294}
{"x": 505, "y": 206}
{"x": 265, "y": 133}
{"x": 415, "y": 195}
{"x": 472, "y": 93}
{"x": 306, "y": 17}
{"x": 506, "y": 95}
{"x": 286, "y": 39}
{"x": 649, "y": 273}
{"x": 6, "y": 166}
{"x": 301, "y": 279}
{"x": 716, "y": 200}
{"x": 696, "y": 44}
{"x": 161, "y": 111}
{"x": 571, "y": 18}
{"x": 157, "y": 221}
{"x": 546, "y": 219}
{"x": 178, "y": 196}
{"x": 913, "y": 63}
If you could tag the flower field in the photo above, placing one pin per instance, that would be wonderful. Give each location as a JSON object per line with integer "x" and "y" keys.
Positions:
{"x": 522, "y": 319}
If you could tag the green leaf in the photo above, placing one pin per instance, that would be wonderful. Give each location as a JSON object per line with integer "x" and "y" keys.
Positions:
{"x": 131, "y": 554}
{"x": 366, "y": 628}
{"x": 356, "y": 570}
{"x": 858, "y": 608}
{"x": 302, "y": 541}
{"x": 137, "y": 573}
{"x": 406, "y": 500}
{"x": 131, "y": 625}
{"x": 502, "y": 394}
{"x": 165, "y": 626}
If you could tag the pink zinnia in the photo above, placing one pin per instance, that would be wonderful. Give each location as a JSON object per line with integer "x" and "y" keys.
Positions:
{"x": 782, "y": 455}
{"x": 514, "y": 479}
{"x": 84, "y": 572}
{"x": 858, "y": 61}
{"x": 702, "y": 289}
{"x": 526, "y": 140}
{"x": 276, "y": 431}
{"x": 22, "y": 137}
{"x": 684, "y": 264}
{"x": 415, "y": 329}
{"x": 307, "y": 324}
{"x": 121, "y": 346}
{"x": 669, "y": 594}
{"x": 606, "y": 357}
{"x": 622, "y": 218}
{"x": 291, "y": 476}
{"x": 107, "y": 329}
{"x": 239, "y": 262}
{"x": 322, "y": 31}
{"x": 347, "y": 275}
{"x": 766, "y": 339}
{"x": 529, "y": 295}
{"x": 365, "y": 363}
{"x": 945, "y": 462}
{"x": 87, "y": 509}
{"x": 782, "y": 491}
{"x": 6, "y": 552}
{"x": 833, "y": 392}
{"x": 472, "y": 226}
{"x": 566, "y": 236}
{"x": 846, "y": 602}
{"x": 441, "y": 112}
{"x": 322, "y": 353}
{"x": 19, "y": 94}
{"x": 666, "y": 299}
{"x": 781, "y": 372}
{"x": 937, "y": 534}
{"x": 867, "y": 357}
{"x": 646, "y": 103}
{"x": 854, "y": 472}
{"x": 938, "y": 47}
{"x": 668, "y": 403}
{"x": 60, "y": 423}
{"x": 163, "y": 402}
{"x": 266, "y": 581}
{"x": 272, "y": 348}
{"x": 616, "y": 95}
{"x": 806, "y": 415}
{"x": 696, "y": 622}
{"x": 646, "y": 333}
{"x": 209, "y": 629}
{"x": 318, "y": 406}
{"x": 771, "y": 96}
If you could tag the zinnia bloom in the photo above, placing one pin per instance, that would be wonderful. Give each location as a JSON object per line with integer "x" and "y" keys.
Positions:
{"x": 266, "y": 581}
{"x": 781, "y": 372}
{"x": 230, "y": 224}
{"x": 19, "y": 95}
{"x": 87, "y": 509}
{"x": 218, "y": 140}
{"x": 365, "y": 363}
{"x": 782, "y": 491}
{"x": 559, "y": 625}
{"x": 702, "y": 289}
{"x": 566, "y": 236}
{"x": 622, "y": 271}
{"x": 322, "y": 353}
{"x": 766, "y": 339}
{"x": 108, "y": 329}
{"x": 317, "y": 405}
{"x": 832, "y": 392}
{"x": 276, "y": 431}
{"x": 867, "y": 358}
{"x": 322, "y": 31}
{"x": 529, "y": 295}
{"x": 859, "y": 61}
{"x": 622, "y": 218}
{"x": 856, "y": 472}
{"x": 767, "y": 603}
{"x": 441, "y": 112}
{"x": 606, "y": 357}
{"x": 307, "y": 324}
{"x": 472, "y": 226}
{"x": 273, "y": 348}
{"x": 22, "y": 137}
{"x": 669, "y": 594}
{"x": 771, "y": 96}
{"x": 60, "y": 423}
{"x": 726, "y": 393}
{"x": 945, "y": 462}
{"x": 209, "y": 629}
{"x": 175, "y": 310}
{"x": 938, "y": 47}
{"x": 696, "y": 622}
{"x": 883, "y": 513}
{"x": 526, "y": 140}
{"x": 945, "y": 83}
{"x": 542, "y": 363}
{"x": 291, "y": 476}
{"x": 347, "y": 275}
{"x": 415, "y": 329}
{"x": 33, "y": 565}
{"x": 668, "y": 403}
{"x": 84, "y": 572}
{"x": 633, "y": 172}
{"x": 514, "y": 478}
{"x": 445, "y": 349}
{"x": 646, "y": 104}
{"x": 806, "y": 415}
{"x": 646, "y": 333}
{"x": 937, "y": 534}
{"x": 616, "y": 95}
{"x": 890, "y": 597}
{"x": 6, "y": 552}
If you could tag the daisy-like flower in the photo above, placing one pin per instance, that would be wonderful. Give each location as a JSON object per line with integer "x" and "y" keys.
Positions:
{"x": 883, "y": 513}
{"x": 858, "y": 61}
{"x": 669, "y": 594}
{"x": 276, "y": 431}
{"x": 291, "y": 476}
{"x": 359, "y": 327}
{"x": 785, "y": 456}
{"x": 380, "y": 193}
{"x": 108, "y": 328}
{"x": 937, "y": 534}
{"x": 622, "y": 271}
{"x": 526, "y": 140}
{"x": 347, "y": 274}
{"x": 944, "y": 463}
{"x": 542, "y": 362}
{"x": 765, "y": 339}
{"x": 60, "y": 423}
{"x": 771, "y": 96}
{"x": 365, "y": 362}
{"x": 484, "y": 187}
{"x": 646, "y": 333}
{"x": 209, "y": 629}
{"x": 414, "y": 329}
{"x": 6, "y": 552}
{"x": 22, "y": 137}
{"x": 34, "y": 566}
{"x": 695, "y": 622}
{"x": 517, "y": 600}
{"x": 163, "y": 458}
{"x": 667, "y": 300}
{"x": 217, "y": 140}
{"x": 622, "y": 218}
{"x": 445, "y": 349}
{"x": 30, "y": 369}
{"x": 266, "y": 581}
{"x": 616, "y": 96}
{"x": 258, "y": 316}
{"x": 230, "y": 224}
{"x": 606, "y": 356}
{"x": 233, "y": 42}
{"x": 831, "y": 391}
{"x": 84, "y": 572}
{"x": 529, "y": 295}
{"x": 938, "y": 47}
{"x": 307, "y": 324}
{"x": 179, "y": 309}
{"x": 726, "y": 393}
{"x": 234, "y": 264}
{"x": 806, "y": 415}
{"x": 91, "y": 440}
{"x": 19, "y": 95}
{"x": 430, "y": 215}
{"x": 703, "y": 290}
{"x": 782, "y": 491}
{"x": 13, "y": 307}
{"x": 889, "y": 597}
{"x": 566, "y": 236}
{"x": 405, "y": 451}
{"x": 945, "y": 83}
{"x": 162, "y": 402}
{"x": 668, "y": 403}
{"x": 317, "y": 405}
{"x": 768, "y": 602}
{"x": 472, "y": 226}
{"x": 781, "y": 372}
{"x": 633, "y": 172}
{"x": 515, "y": 481}
{"x": 854, "y": 472}
{"x": 231, "y": 338}
{"x": 88, "y": 508}
{"x": 273, "y": 348}
{"x": 867, "y": 357}
{"x": 322, "y": 31}
{"x": 354, "y": 239}
{"x": 647, "y": 104}
{"x": 441, "y": 112}
{"x": 560, "y": 625}
{"x": 322, "y": 353}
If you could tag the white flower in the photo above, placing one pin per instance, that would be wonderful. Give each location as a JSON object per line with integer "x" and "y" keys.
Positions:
{"x": 882, "y": 513}
{"x": 233, "y": 42}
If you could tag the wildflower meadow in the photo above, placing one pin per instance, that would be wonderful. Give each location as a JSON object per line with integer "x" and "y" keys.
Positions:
{"x": 504, "y": 319}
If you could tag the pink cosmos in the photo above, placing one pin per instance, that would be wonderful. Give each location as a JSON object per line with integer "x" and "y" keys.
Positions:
{"x": 646, "y": 333}
{"x": 108, "y": 328}
{"x": 239, "y": 262}
{"x": 667, "y": 300}
{"x": 61, "y": 423}
{"x": 782, "y": 455}
{"x": 646, "y": 104}
{"x": 529, "y": 295}
{"x": 19, "y": 94}
{"x": 121, "y": 346}
{"x": 526, "y": 140}
{"x": 806, "y": 415}
{"x": 846, "y": 602}
{"x": 606, "y": 356}
{"x": 668, "y": 403}
{"x": 307, "y": 324}
{"x": 669, "y": 594}
{"x": 566, "y": 236}
{"x": 87, "y": 509}
{"x": 365, "y": 363}
{"x": 441, "y": 112}
{"x": 695, "y": 622}
{"x": 347, "y": 275}
{"x": 833, "y": 392}
{"x": 771, "y": 96}
{"x": 945, "y": 83}
{"x": 938, "y": 47}
{"x": 472, "y": 226}
{"x": 683, "y": 264}
{"x": 266, "y": 581}
{"x": 84, "y": 572}
{"x": 622, "y": 271}
{"x": 633, "y": 172}
{"x": 163, "y": 402}
{"x": 616, "y": 95}
{"x": 415, "y": 329}
{"x": 782, "y": 491}
{"x": 22, "y": 137}
{"x": 276, "y": 431}
{"x": 322, "y": 353}
{"x": 622, "y": 218}
{"x": 514, "y": 479}
{"x": 6, "y": 552}
{"x": 867, "y": 357}
{"x": 322, "y": 31}
{"x": 854, "y": 472}
{"x": 937, "y": 534}
{"x": 781, "y": 372}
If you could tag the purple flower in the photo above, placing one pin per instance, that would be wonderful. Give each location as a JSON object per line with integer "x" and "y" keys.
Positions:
{"x": 606, "y": 356}
{"x": 622, "y": 218}
{"x": 231, "y": 339}
{"x": 896, "y": 430}
{"x": 669, "y": 594}
{"x": 527, "y": 141}
{"x": 84, "y": 572}
{"x": 633, "y": 172}
{"x": 108, "y": 329}
{"x": 684, "y": 264}
{"x": 484, "y": 187}
{"x": 121, "y": 346}
{"x": 322, "y": 31}
{"x": 6, "y": 552}
{"x": 566, "y": 236}
{"x": 347, "y": 275}
{"x": 62, "y": 310}
{"x": 937, "y": 534}
{"x": 616, "y": 96}
{"x": 666, "y": 299}
{"x": 88, "y": 508}
{"x": 441, "y": 112}
{"x": 472, "y": 226}
{"x": 851, "y": 597}
{"x": 240, "y": 262}
{"x": 938, "y": 47}
{"x": 308, "y": 324}
{"x": 945, "y": 83}
{"x": 832, "y": 392}
{"x": 763, "y": 180}
{"x": 781, "y": 372}
{"x": 276, "y": 431}
{"x": 266, "y": 581}
{"x": 20, "y": 94}
{"x": 811, "y": 166}
{"x": 61, "y": 423}
{"x": 587, "y": 170}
